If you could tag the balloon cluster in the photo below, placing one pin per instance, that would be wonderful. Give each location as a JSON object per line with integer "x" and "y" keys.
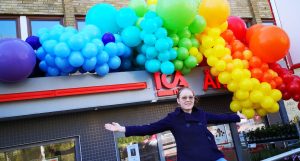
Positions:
{"x": 65, "y": 50}
{"x": 290, "y": 87}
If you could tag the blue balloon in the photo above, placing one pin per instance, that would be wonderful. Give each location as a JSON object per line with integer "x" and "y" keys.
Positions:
{"x": 118, "y": 37}
{"x": 50, "y": 60}
{"x": 126, "y": 64}
{"x": 89, "y": 64}
{"x": 44, "y": 37}
{"x": 108, "y": 37}
{"x": 42, "y": 31}
{"x": 152, "y": 65}
{"x": 52, "y": 71}
{"x": 127, "y": 53}
{"x": 173, "y": 54}
{"x": 111, "y": 48}
{"x": 170, "y": 42}
{"x": 143, "y": 34}
{"x": 98, "y": 43}
{"x": 76, "y": 42}
{"x": 149, "y": 25}
{"x": 103, "y": 16}
{"x": 161, "y": 45}
{"x": 102, "y": 58}
{"x": 167, "y": 67}
{"x": 131, "y": 36}
{"x": 149, "y": 39}
{"x": 151, "y": 53}
{"x": 102, "y": 70}
{"x": 121, "y": 48}
{"x": 70, "y": 29}
{"x": 158, "y": 21}
{"x": 89, "y": 50}
{"x": 161, "y": 33}
{"x": 114, "y": 62}
{"x": 92, "y": 31}
{"x": 164, "y": 56}
{"x": 43, "y": 66}
{"x": 49, "y": 46}
{"x": 69, "y": 69}
{"x": 126, "y": 17}
{"x": 55, "y": 34}
{"x": 144, "y": 48}
{"x": 76, "y": 59}
{"x": 62, "y": 50}
{"x": 141, "y": 59}
{"x": 64, "y": 37}
{"x": 62, "y": 63}
{"x": 150, "y": 14}
{"x": 40, "y": 53}
{"x": 34, "y": 42}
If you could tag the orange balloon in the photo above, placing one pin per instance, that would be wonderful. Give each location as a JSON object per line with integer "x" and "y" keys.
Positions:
{"x": 253, "y": 29}
{"x": 256, "y": 73}
{"x": 237, "y": 55}
{"x": 255, "y": 62}
{"x": 237, "y": 45}
{"x": 270, "y": 43}
{"x": 228, "y": 36}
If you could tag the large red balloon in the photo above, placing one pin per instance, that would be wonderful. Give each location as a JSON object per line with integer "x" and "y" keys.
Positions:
{"x": 270, "y": 43}
{"x": 238, "y": 27}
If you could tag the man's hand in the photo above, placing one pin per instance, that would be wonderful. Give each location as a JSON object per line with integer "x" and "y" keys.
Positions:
{"x": 115, "y": 127}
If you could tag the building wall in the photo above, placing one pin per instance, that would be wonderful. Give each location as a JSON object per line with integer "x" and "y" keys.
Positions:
{"x": 96, "y": 143}
{"x": 71, "y": 8}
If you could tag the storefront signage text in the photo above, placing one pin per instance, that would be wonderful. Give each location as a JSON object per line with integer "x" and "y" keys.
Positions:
{"x": 209, "y": 81}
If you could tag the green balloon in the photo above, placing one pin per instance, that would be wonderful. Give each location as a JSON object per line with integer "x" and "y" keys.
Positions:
{"x": 190, "y": 62}
{"x": 198, "y": 25}
{"x": 178, "y": 64}
{"x": 185, "y": 33}
{"x": 176, "y": 14}
{"x": 195, "y": 42}
{"x": 139, "y": 6}
{"x": 185, "y": 70}
{"x": 182, "y": 53}
{"x": 185, "y": 42}
{"x": 175, "y": 39}
{"x": 138, "y": 22}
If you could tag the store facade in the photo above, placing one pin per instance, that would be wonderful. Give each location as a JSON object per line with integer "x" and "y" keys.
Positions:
{"x": 73, "y": 125}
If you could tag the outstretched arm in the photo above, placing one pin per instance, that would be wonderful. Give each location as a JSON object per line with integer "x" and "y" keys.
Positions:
{"x": 114, "y": 127}
{"x": 222, "y": 118}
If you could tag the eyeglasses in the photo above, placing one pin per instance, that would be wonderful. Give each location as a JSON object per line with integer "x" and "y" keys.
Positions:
{"x": 187, "y": 97}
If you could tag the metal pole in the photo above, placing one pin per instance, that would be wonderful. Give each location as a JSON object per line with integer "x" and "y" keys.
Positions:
{"x": 236, "y": 141}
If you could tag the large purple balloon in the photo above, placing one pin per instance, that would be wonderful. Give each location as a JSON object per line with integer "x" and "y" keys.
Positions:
{"x": 108, "y": 37}
{"x": 17, "y": 60}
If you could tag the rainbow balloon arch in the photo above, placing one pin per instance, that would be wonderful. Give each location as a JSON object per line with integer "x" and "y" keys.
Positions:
{"x": 150, "y": 36}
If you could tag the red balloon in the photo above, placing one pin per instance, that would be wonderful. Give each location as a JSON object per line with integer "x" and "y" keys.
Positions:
{"x": 287, "y": 78}
{"x": 252, "y": 30}
{"x": 296, "y": 97}
{"x": 293, "y": 87}
{"x": 282, "y": 87}
{"x": 270, "y": 43}
{"x": 238, "y": 27}
{"x": 286, "y": 96}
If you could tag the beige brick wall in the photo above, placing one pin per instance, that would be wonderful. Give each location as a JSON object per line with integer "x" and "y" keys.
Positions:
{"x": 71, "y": 8}
{"x": 31, "y": 7}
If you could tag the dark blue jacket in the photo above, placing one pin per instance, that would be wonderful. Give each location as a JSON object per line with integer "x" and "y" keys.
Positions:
{"x": 194, "y": 141}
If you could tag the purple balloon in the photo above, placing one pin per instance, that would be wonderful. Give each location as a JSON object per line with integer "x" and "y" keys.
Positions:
{"x": 34, "y": 42}
{"x": 108, "y": 37}
{"x": 17, "y": 60}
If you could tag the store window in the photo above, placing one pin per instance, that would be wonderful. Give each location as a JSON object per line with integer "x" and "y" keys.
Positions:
{"x": 63, "y": 150}
{"x": 268, "y": 22}
{"x": 9, "y": 27}
{"x": 36, "y": 23}
{"x": 248, "y": 22}
{"x": 138, "y": 148}
{"x": 80, "y": 22}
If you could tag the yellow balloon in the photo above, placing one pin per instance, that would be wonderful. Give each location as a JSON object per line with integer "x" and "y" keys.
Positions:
{"x": 246, "y": 84}
{"x": 193, "y": 51}
{"x": 237, "y": 63}
{"x": 274, "y": 108}
{"x": 265, "y": 87}
{"x": 215, "y": 12}
{"x": 227, "y": 58}
{"x": 235, "y": 106}
{"x": 207, "y": 42}
{"x": 246, "y": 103}
{"x": 261, "y": 112}
{"x": 219, "y": 51}
{"x": 232, "y": 86}
{"x": 199, "y": 57}
{"x": 241, "y": 94}
{"x": 248, "y": 112}
{"x": 256, "y": 106}
{"x": 255, "y": 82}
{"x": 214, "y": 32}
{"x": 214, "y": 71}
{"x": 246, "y": 73}
{"x": 224, "y": 77}
{"x": 151, "y": 2}
{"x": 267, "y": 102}
{"x": 220, "y": 41}
{"x": 208, "y": 52}
{"x": 223, "y": 26}
{"x": 229, "y": 67}
{"x": 256, "y": 96}
{"x": 237, "y": 74}
{"x": 212, "y": 61}
{"x": 276, "y": 94}
{"x": 221, "y": 65}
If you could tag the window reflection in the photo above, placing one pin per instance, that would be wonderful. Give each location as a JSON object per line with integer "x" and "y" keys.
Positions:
{"x": 8, "y": 28}
{"x": 38, "y": 24}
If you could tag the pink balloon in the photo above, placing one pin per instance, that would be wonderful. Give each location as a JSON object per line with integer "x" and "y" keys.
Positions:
{"x": 238, "y": 27}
